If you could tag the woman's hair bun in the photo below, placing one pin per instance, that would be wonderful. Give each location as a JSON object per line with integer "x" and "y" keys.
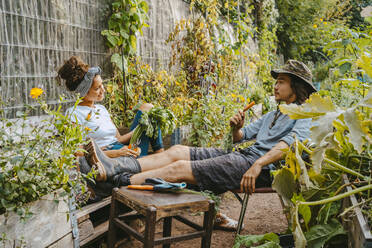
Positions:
{"x": 73, "y": 71}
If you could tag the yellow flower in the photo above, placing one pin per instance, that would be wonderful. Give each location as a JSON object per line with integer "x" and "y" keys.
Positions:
{"x": 321, "y": 19}
{"x": 325, "y": 23}
{"x": 315, "y": 26}
{"x": 87, "y": 129}
{"x": 88, "y": 116}
{"x": 36, "y": 92}
{"x": 233, "y": 95}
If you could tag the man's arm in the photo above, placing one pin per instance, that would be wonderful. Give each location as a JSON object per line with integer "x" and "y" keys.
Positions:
{"x": 248, "y": 182}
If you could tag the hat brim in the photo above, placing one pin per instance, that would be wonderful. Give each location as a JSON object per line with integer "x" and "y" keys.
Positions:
{"x": 275, "y": 73}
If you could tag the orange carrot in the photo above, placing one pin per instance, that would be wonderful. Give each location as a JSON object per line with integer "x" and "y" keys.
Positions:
{"x": 249, "y": 106}
{"x": 130, "y": 146}
{"x": 141, "y": 187}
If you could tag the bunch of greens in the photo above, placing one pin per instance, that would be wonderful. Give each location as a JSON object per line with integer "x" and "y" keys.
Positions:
{"x": 37, "y": 158}
{"x": 151, "y": 121}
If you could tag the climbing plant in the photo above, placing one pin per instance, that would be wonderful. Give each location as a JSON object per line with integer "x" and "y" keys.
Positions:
{"x": 128, "y": 17}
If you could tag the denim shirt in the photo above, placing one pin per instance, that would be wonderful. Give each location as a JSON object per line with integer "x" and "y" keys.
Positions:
{"x": 284, "y": 130}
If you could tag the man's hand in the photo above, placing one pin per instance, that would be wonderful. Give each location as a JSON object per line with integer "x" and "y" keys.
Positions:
{"x": 248, "y": 182}
{"x": 237, "y": 121}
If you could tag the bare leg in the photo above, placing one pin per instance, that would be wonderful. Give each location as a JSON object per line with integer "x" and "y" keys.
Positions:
{"x": 179, "y": 171}
{"x": 158, "y": 160}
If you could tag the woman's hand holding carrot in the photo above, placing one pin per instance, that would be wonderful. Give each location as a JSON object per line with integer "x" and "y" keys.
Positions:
{"x": 125, "y": 151}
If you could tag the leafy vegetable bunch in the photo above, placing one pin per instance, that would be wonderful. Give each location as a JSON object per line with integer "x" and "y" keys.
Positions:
{"x": 152, "y": 120}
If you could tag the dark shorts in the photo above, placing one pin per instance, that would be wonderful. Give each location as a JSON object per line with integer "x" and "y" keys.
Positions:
{"x": 219, "y": 171}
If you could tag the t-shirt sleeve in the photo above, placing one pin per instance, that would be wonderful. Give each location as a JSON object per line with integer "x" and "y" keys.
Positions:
{"x": 75, "y": 116}
{"x": 300, "y": 130}
{"x": 250, "y": 131}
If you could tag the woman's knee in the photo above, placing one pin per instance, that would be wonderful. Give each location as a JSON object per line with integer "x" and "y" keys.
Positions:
{"x": 146, "y": 107}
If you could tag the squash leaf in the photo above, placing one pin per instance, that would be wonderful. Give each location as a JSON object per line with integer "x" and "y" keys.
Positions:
{"x": 353, "y": 120}
{"x": 314, "y": 107}
{"x": 268, "y": 240}
{"x": 284, "y": 183}
{"x": 318, "y": 235}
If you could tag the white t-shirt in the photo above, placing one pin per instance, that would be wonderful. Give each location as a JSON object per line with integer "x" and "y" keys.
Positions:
{"x": 98, "y": 120}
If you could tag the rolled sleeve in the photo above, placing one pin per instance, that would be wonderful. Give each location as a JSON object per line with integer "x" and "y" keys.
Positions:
{"x": 301, "y": 130}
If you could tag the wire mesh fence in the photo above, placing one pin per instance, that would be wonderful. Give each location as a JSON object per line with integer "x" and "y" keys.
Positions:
{"x": 36, "y": 36}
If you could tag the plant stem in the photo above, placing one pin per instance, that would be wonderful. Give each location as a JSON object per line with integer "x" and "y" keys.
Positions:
{"x": 345, "y": 169}
{"x": 337, "y": 197}
{"x": 355, "y": 206}
{"x": 335, "y": 164}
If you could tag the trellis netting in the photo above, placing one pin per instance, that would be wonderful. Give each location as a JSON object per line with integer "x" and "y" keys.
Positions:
{"x": 37, "y": 36}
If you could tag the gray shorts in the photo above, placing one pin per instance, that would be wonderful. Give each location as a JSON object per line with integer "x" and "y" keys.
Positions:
{"x": 219, "y": 171}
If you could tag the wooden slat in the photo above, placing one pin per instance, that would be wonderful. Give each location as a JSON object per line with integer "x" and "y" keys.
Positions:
{"x": 93, "y": 207}
{"x": 99, "y": 231}
{"x": 178, "y": 238}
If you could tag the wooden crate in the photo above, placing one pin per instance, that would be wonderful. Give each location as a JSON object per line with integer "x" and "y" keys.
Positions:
{"x": 358, "y": 231}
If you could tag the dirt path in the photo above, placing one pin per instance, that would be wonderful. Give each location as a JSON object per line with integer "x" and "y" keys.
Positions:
{"x": 264, "y": 214}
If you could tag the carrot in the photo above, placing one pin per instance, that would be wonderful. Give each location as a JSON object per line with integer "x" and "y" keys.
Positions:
{"x": 130, "y": 146}
{"x": 249, "y": 106}
{"x": 141, "y": 187}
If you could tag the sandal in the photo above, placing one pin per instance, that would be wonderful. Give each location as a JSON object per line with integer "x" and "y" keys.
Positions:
{"x": 225, "y": 223}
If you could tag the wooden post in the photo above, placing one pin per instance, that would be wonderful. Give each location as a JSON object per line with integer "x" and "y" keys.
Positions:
{"x": 150, "y": 228}
{"x": 167, "y": 229}
{"x": 113, "y": 214}
{"x": 208, "y": 225}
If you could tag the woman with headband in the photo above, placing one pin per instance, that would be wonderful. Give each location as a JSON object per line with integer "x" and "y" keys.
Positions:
{"x": 87, "y": 81}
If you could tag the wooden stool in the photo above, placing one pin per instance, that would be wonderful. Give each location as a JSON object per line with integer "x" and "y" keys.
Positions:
{"x": 154, "y": 206}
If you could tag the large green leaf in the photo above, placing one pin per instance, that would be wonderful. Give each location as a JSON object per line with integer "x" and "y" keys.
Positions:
{"x": 367, "y": 101}
{"x": 314, "y": 107}
{"x": 268, "y": 240}
{"x": 318, "y": 235}
{"x": 365, "y": 62}
{"x": 304, "y": 210}
{"x": 284, "y": 183}
{"x": 298, "y": 235}
{"x": 357, "y": 132}
{"x": 322, "y": 127}
{"x": 304, "y": 177}
{"x": 317, "y": 156}
{"x": 117, "y": 59}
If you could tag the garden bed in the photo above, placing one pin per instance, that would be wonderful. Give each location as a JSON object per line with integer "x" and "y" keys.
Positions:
{"x": 48, "y": 226}
{"x": 358, "y": 230}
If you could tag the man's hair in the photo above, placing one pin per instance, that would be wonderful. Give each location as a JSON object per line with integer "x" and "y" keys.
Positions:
{"x": 300, "y": 88}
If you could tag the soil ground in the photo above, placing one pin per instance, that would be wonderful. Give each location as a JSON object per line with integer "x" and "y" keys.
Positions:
{"x": 264, "y": 214}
